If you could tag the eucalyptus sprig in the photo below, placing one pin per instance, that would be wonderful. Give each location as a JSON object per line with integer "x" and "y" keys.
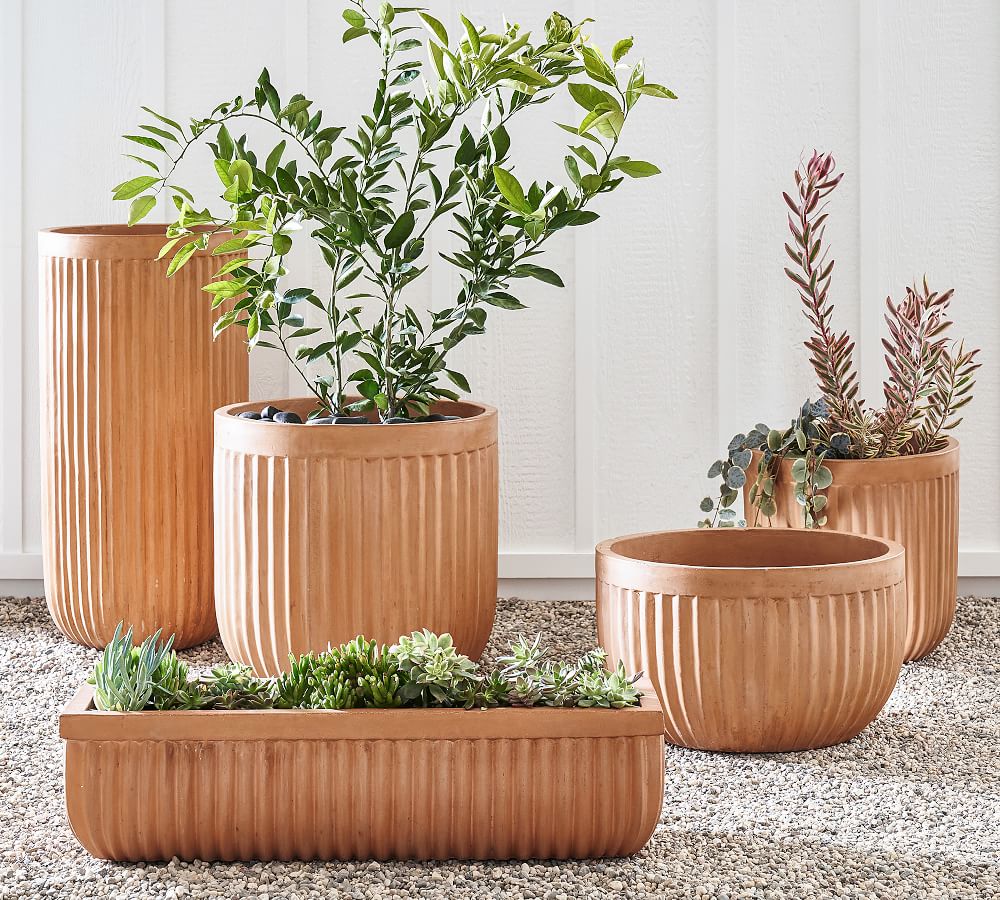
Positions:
{"x": 368, "y": 197}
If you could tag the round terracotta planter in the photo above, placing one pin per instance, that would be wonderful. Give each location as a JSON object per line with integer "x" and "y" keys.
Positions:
{"x": 756, "y": 640}
{"x": 327, "y": 531}
{"x": 909, "y": 499}
{"x": 130, "y": 377}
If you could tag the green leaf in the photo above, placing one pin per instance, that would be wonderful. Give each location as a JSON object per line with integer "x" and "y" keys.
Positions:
{"x": 572, "y": 217}
{"x": 296, "y": 106}
{"x": 822, "y": 478}
{"x": 504, "y": 301}
{"x": 354, "y": 18}
{"x": 273, "y": 158}
{"x": 225, "y": 140}
{"x": 572, "y": 169}
{"x": 590, "y": 97}
{"x": 636, "y": 168}
{"x": 621, "y": 48}
{"x": 459, "y": 379}
{"x": 400, "y": 231}
{"x": 281, "y": 243}
{"x": 657, "y": 90}
{"x": 511, "y": 189}
{"x": 539, "y": 272}
{"x": 473, "y": 35}
{"x": 145, "y": 141}
{"x": 129, "y": 189}
{"x": 181, "y": 257}
{"x": 140, "y": 208}
{"x": 242, "y": 173}
{"x": 352, "y": 33}
{"x": 440, "y": 32}
{"x": 175, "y": 125}
{"x": 707, "y": 505}
{"x": 585, "y": 154}
{"x": 736, "y": 478}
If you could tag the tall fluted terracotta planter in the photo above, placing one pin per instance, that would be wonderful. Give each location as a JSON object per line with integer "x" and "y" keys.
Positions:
{"x": 909, "y": 499}
{"x": 363, "y": 784}
{"x": 327, "y": 531}
{"x": 130, "y": 377}
{"x": 756, "y": 640}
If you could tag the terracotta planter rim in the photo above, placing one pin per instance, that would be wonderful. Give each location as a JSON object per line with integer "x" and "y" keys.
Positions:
{"x": 474, "y": 430}
{"x": 615, "y": 565}
{"x": 80, "y": 720}
{"x": 887, "y": 469}
{"x": 112, "y": 241}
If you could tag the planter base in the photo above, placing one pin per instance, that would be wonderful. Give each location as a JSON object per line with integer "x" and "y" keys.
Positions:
{"x": 363, "y": 784}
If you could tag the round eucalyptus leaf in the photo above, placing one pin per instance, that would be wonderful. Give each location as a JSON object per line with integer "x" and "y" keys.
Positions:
{"x": 821, "y": 521}
{"x": 742, "y": 458}
{"x": 800, "y": 439}
{"x": 727, "y": 515}
{"x": 819, "y": 502}
{"x": 768, "y": 507}
{"x": 800, "y": 498}
{"x": 736, "y": 478}
{"x": 767, "y": 486}
{"x": 799, "y": 471}
{"x": 715, "y": 470}
{"x": 774, "y": 440}
{"x": 707, "y": 505}
{"x": 736, "y": 442}
{"x": 823, "y": 478}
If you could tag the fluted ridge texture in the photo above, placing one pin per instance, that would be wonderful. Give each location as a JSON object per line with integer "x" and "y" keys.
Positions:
{"x": 314, "y": 550}
{"x": 921, "y": 513}
{"x": 362, "y": 799}
{"x": 130, "y": 377}
{"x": 759, "y": 674}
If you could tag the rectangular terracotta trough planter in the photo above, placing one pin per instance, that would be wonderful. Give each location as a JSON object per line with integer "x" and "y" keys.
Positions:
{"x": 363, "y": 784}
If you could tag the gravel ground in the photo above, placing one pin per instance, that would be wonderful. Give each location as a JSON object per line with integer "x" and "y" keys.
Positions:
{"x": 909, "y": 809}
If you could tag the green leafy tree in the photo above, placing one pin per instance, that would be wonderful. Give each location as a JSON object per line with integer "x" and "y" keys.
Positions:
{"x": 369, "y": 196}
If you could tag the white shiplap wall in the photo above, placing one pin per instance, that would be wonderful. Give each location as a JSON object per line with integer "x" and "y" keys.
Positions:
{"x": 677, "y": 327}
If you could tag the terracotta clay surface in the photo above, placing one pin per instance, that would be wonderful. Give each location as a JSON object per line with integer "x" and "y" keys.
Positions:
{"x": 757, "y": 640}
{"x": 324, "y": 532}
{"x": 130, "y": 377}
{"x": 362, "y": 784}
{"x": 909, "y": 499}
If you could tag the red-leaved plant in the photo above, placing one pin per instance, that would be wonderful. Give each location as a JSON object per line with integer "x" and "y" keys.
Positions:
{"x": 930, "y": 378}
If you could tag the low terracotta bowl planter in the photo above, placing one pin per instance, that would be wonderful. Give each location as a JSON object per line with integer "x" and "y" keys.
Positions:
{"x": 324, "y": 532}
{"x": 130, "y": 378}
{"x": 909, "y": 499}
{"x": 363, "y": 784}
{"x": 756, "y": 640}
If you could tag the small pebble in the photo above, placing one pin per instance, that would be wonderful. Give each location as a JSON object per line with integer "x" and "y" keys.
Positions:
{"x": 249, "y": 415}
{"x": 350, "y": 420}
{"x": 320, "y": 420}
{"x": 288, "y": 418}
{"x": 269, "y": 412}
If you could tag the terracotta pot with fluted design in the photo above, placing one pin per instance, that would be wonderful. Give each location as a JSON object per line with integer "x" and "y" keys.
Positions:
{"x": 756, "y": 640}
{"x": 306, "y": 784}
{"x": 324, "y": 532}
{"x": 909, "y": 499}
{"x": 130, "y": 378}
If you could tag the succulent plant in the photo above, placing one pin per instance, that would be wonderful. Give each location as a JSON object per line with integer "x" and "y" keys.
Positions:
{"x": 436, "y": 673}
{"x": 125, "y": 676}
{"x": 422, "y": 669}
{"x": 613, "y": 690}
{"x": 294, "y": 689}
